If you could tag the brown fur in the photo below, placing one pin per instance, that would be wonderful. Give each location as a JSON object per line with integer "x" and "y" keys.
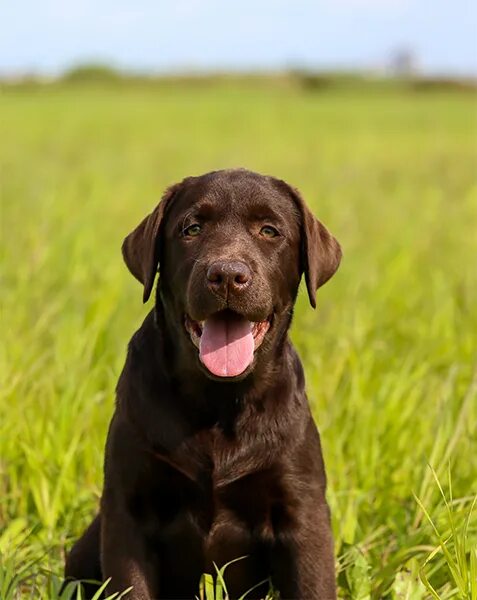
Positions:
{"x": 202, "y": 470}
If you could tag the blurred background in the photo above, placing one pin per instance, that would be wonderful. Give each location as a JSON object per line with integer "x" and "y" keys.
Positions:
{"x": 369, "y": 108}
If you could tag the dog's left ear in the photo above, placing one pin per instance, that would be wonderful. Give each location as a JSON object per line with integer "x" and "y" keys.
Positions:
{"x": 141, "y": 247}
{"x": 320, "y": 251}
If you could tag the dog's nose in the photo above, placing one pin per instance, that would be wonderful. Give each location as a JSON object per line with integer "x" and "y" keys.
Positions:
{"x": 225, "y": 277}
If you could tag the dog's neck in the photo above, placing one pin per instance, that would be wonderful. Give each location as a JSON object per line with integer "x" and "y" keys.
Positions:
{"x": 188, "y": 402}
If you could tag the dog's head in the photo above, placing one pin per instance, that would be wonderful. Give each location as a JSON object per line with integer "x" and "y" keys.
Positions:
{"x": 232, "y": 246}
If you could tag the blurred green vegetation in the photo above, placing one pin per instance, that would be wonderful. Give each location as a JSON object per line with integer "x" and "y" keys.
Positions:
{"x": 305, "y": 80}
{"x": 389, "y": 354}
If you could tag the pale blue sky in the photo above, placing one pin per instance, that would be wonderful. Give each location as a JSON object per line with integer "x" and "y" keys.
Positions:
{"x": 49, "y": 35}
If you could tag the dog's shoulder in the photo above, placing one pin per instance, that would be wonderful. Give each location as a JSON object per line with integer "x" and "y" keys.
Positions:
{"x": 144, "y": 340}
{"x": 143, "y": 363}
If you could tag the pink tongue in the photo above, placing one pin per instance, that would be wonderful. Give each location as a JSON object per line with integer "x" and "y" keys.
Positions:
{"x": 226, "y": 345}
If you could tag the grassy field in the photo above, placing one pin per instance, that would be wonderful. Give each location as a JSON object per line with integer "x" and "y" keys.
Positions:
{"x": 390, "y": 353}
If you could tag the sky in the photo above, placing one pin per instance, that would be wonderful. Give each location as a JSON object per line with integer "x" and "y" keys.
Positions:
{"x": 49, "y": 36}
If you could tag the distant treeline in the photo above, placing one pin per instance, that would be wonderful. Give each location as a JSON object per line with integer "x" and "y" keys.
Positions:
{"x": 307, "y": 80}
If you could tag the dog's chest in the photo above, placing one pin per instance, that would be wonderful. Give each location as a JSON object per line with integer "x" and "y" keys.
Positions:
{"x": 222, "y": 458}
{"x": 221, "y": 472}
{"x": 233, "y": 480}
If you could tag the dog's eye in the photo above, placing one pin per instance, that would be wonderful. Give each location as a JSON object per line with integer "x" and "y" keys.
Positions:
{"x": 268, "y": 231}
{"x": 192, "y": 230}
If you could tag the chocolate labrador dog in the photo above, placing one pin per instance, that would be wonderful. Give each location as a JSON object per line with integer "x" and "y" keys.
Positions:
{"x": 212, "y": 452}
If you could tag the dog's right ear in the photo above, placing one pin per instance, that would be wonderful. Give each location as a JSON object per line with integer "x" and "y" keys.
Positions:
{"x": 141, "y": 247}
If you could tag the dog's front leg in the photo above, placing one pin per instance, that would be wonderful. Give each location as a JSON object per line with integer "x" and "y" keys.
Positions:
{"x": 303, "y": 558}
{"x": 124, "y": 557}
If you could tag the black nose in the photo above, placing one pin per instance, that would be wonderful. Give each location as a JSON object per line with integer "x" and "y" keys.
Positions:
{"x": 225, "y": 277}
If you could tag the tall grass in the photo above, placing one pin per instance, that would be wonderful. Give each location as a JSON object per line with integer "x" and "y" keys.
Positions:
{"x": 390, "y": 354}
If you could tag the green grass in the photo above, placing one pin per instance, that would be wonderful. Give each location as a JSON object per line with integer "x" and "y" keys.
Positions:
{"x": 390, "y": 354}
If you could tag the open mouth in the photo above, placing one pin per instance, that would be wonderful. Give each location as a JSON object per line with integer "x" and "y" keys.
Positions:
{"x": 226, "y": 341}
